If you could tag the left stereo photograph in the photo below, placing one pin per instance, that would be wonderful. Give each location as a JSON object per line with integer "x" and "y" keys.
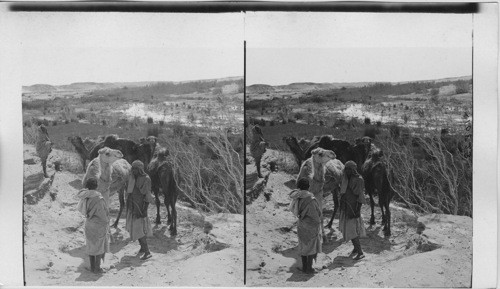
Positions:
{"x": 132, "y": 148}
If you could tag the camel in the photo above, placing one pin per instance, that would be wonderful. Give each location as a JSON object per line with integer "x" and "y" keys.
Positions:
{"x": 342, "y": 148}
{"x": 304, "y": 143}
{"x": 314, "y": 169}
{"x": 257, "y": 146}
{"x": 368, "y": 159}
{"x": 43, "y": 147}
{"x": 162, "y": 178}
{"x": 333, "y": 172}
{"x": 374, "y": 172}
{"x": 296, "y": 149}
{"x": 131, "y": 151}
{"x": 81, "y": 148}
{"x": 111, "y": 171}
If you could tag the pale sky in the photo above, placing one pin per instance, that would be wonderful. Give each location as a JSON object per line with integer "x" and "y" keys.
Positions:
{"x": 354, "y": 47}
{"x": 61, "y": 48}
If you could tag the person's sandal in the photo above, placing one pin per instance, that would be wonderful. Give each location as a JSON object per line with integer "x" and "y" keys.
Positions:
{"x": 146, "y": 256}
{"x": 359, "y": 257}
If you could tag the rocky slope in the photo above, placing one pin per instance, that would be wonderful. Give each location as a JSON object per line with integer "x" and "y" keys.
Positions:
{"x": 438, "y": 256}
{"x": 208, "y": 250}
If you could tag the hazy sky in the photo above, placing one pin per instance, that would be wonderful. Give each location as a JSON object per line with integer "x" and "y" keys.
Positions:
{"x": 351, "y": 47}
{"x": 61, "y": 48}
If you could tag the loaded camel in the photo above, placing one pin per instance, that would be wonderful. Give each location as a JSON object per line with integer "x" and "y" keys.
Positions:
{"x": 120, "y": 168}
{"x": 43, "y": 147}
{"x": 111, "y": 171}
{"x": 369, "y": 161}
{"x": 315, "y": 169}
{"x": 161, "y": 172}
{"x": 131, "y": 150}
{"x": 83, "y": 148}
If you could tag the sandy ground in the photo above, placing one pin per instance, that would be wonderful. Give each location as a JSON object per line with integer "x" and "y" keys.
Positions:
{"x": 55, "y": 243}
{"x": 440, "y": 257}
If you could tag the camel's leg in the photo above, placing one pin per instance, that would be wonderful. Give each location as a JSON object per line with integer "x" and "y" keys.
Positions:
{"x": 121, "y": 197}
{"x": 335, "y": 206}
{"x": 372, "y": 205}
{"x": 158, "y": 204}
{"x": 174, "y": 213}
{"x": 167, "y": 205}
{"x": 387, "y": 225}
{"x": 44, "y": 168}
{"x": 381, "y": 205}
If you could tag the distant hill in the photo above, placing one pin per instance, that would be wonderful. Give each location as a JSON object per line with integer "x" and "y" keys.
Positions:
{"x": 91, "y": 86}
{"x": 260, "y": 88}
{"x": 39, "y": 88}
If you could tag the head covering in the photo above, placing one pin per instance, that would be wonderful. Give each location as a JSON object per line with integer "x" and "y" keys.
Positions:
{"x": 137, "y": 164}
{"x": 295, "y": 195}
{"x": 343, "y": 185}
{"x": 352, "y": 165}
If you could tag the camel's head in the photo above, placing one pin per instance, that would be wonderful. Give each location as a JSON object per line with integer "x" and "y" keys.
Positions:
{"x": 75, "y": 140}
{"x": 109, "y": 156}
{"x": 364, "y": 140}
{"x": 304, "y": 144}
{"x": 322, "y": 156}
{"x": 290, "y": 141}
{"x": 145, "y": 152}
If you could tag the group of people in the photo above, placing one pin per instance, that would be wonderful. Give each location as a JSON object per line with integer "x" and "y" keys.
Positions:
{"x": 306, "y": 207}
{"x": 95, "y": 207}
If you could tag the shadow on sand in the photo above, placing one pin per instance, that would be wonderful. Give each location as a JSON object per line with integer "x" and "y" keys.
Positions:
{"x": 296, "y": 268}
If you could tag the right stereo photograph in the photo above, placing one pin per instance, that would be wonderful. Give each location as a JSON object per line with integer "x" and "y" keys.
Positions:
{"x": 359, "y": 149}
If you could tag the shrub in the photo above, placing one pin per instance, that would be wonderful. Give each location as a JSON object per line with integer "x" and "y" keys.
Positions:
{"x": 161, "y": 122}
{"x": 379, "y": 123}
{"x": 213, "y": 184}
{"x": 321, "y": 123}
{"x": 262, "y": 122}
{"x": 81, "y": 115}
{"x": 153, "y": 131}
{"x": 291, "y": 120}
{"x": 103, "y": 122}
{"x": 442, "y": 185}
{"x": 405, "y": 117}
{"x": 45, "y": 122}
{"x": 271, "y": 123}
{"x": 30, "y": 134}
{"x": 371, "y": 131}
{"x": 354, "y": 122}
{"x": 339, "y": 122}
{"x": 298, "y": 116}
{"x": 66, "y": 121}
{"x": 54, "y": 122}
{"x": 150, "y": 120}
{"x": 367, "y": 120}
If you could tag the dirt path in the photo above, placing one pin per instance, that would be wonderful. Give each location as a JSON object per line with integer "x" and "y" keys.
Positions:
{"x": 440, "y": 257}
{"x": 55, "y": 243}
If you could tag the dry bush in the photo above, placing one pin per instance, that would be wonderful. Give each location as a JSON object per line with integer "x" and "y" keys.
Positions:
{"x": 286, "y": 162}
{"x": 439, "y": 183}
{"x": 30, "y": 134}
{"x": 71, "y": 162}
{"x": 213, "y": 183}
